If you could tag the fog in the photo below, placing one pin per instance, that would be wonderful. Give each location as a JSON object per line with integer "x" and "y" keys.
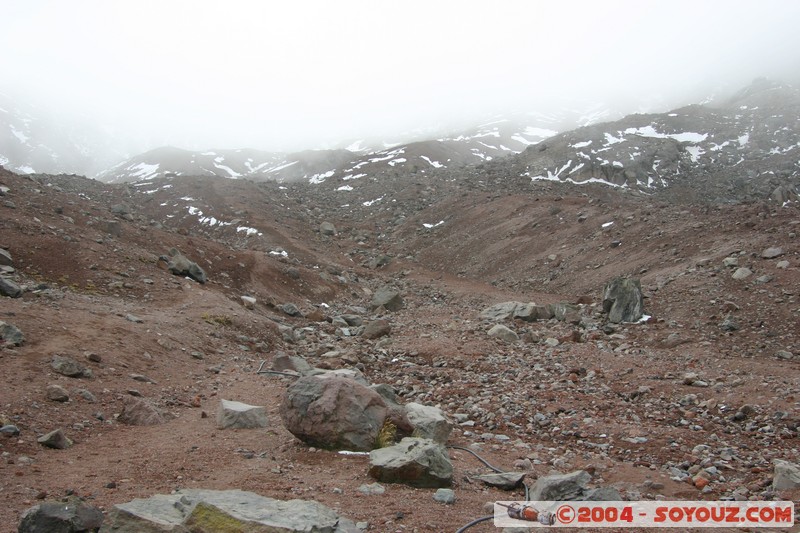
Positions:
{"x": 306, "y": 74}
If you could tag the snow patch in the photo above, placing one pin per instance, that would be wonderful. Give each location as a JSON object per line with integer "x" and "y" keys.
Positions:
{"x": 368, "y": 203}
{"x": 248, "y": 231}
{"x": 582, "y": 144}
{"x": 744, "y": 139}
{"x": 429, "y": 226}
{"x": 434, "y": 164}
{"x": 319, "y": 178}
{"x": 345, "y": 188}
{"x": 607, "y": 224}
{"x": 19, "y": 135}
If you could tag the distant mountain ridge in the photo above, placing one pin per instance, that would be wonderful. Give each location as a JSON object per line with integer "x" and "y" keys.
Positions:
{"x": 747, "y": 146}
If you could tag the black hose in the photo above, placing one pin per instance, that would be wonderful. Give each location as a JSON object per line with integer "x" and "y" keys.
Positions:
{"x": 494, "y": 468}
{"x": 478, "y": 457}
{"x": 474, "y": 522}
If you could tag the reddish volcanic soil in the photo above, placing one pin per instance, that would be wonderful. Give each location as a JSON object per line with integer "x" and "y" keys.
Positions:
{"x": 616, "y": 401}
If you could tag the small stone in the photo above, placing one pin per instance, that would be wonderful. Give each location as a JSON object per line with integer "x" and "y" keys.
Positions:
{"x": 142, "y": 378}
{"x": 57, "y": 393}
{"x": 782, "y": 265}
{"x": 11, "y": 334}
{"x": 742, "y": 273}
{"x": 552, "y": 342}
{"x": 133, "y": 318}
{"x": 784, "y": 354}
{"x": 249, "y": 302}
{"x": 772, "y": 252}
{"x": 445, "y": 496}
{"x": 372, "y": 489}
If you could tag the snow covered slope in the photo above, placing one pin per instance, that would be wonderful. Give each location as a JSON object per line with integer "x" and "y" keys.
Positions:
{"x": 750, "y": 142}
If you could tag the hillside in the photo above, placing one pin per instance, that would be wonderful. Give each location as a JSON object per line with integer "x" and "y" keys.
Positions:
{"x": 695, "y": 403}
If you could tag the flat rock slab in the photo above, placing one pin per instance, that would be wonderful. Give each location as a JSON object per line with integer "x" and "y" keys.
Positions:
{"x": 203, "y": 510}
{"x": 61, "y": 517}
{"x": 238, "y": 415}
{"x": 560, "y": 487}
{"x": 503, "y": 480}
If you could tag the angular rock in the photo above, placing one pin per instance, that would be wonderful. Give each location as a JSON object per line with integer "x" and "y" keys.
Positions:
{"x": 179, "y": 265}
{"x": 782, "y": 264}
{"x": 69, "y": 367}
{"x": 9, "y": 288}
{"x": 565, "y": 312}
{"x": 503, "y": 480}
{"x": 72, "y": 516}
{"x": 352, "y": 320}
{"x": 238, "y": 415}
{"x": 377, "y": 329}
{"x": 290, "y": 309}
{"x": 11, "y": 334}
{"x": 206, "y": 511}
{"x": 5, "y": 258}
{"x": 559, "y": 487}
{"x": 413, "y": 461}
{"x": 249, "y": 302}
{"x": 57, "y": 393}
{"x": 9, "y": 430}
{"x": 429, "y": 422}
{"x": 602, "y": 494}
{"x": 532, "y": 312}
{"x": 742, "y": 273}
{"x": 139, "y": 412}
{"x": 388, "y": 298}
{"x": 786, "y": 475}
{"x": 501, "y": 332}
{"x": 333, "y": 413}
{"x": 326, "y": 228}
{"x": 500, "y": 311}
{"x": 772, "y": 252}
{"x": 55, "y": 439}
{"x": 295, "y": 363}
{"x": 623, "y": 300}
{"x": 371, "y": 489}
{"x": 445, "y": 496}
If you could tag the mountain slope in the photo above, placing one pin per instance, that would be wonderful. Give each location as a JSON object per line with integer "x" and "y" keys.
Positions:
{"x": 747, "y": 147}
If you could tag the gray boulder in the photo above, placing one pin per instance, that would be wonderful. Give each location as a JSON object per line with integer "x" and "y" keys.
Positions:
{"x": 531, "y": 312}
{"x": 772, "y": 252}
{"x": 69, "y": 367}
{"x": 9, "y": 288}
{"x": 377, "y": 329}
{"x": 328, "y": 229}
{"x": 501, "y": 311}
{"x": 333, "y": 412}
{"x": 742, "y": 273}
{"x": 72, "y": 516}
{"x": 623, "y": 300}
{"x": 413, "y": 461}
{"x": 179, "y": 265}
{"x": 499, "y": 331}
{"x": 202, "y": 510}
{"x": 786, "y": 476}
{"x": 560, "y": 487}
{"x": 140, "y": 412}
{"x": 11, "y": 334}
{"x": 57, "y": 393}
{"x": 290, "y": 309}
{"x": 238, "y": 415}
{"x": 429, "y": 422}
{"x": 5, "y": 258}
{"x": 295, "y": 363}
{"x": 387, "y": 298}
{"x": 55, "y": 439}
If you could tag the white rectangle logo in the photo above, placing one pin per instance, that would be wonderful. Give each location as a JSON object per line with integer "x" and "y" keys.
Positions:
{"x": 644, "y": 514}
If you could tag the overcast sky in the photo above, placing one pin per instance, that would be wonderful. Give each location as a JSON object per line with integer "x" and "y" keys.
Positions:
{"x": 296, "y": 74}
